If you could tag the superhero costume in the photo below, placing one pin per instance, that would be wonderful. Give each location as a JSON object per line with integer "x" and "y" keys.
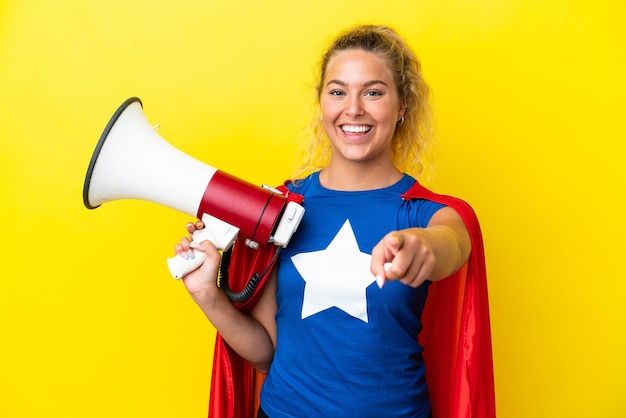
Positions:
{"x": 456, "y": 333}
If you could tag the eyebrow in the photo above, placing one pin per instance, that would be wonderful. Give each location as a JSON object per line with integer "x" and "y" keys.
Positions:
{"x": 366, "y": 84}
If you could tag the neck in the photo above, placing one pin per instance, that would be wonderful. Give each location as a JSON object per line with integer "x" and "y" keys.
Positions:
{"x": 358, "y": 177}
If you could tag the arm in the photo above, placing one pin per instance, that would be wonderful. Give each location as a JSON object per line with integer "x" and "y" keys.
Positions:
{"x": 251, "y": 336}
{"x": 418, "y": 254}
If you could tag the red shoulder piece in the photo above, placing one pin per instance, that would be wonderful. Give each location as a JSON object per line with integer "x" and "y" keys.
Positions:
{"x": 234, "y": 383}
{"x": 456, "y": 332}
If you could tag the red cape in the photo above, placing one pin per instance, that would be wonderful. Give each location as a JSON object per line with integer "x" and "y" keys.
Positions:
{"x": 456, "y": 333}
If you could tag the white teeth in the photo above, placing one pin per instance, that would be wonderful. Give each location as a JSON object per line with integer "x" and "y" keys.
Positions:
{"x": 355, "y": 129}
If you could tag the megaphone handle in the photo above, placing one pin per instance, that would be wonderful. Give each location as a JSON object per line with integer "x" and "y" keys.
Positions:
{"x": 179, "y": 267}
{"x": 220, "y": 233}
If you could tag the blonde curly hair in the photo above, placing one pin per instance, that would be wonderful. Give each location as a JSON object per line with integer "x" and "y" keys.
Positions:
{"x": 413, "y": 140}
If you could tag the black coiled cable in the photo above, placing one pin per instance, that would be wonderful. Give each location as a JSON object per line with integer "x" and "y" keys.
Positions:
{"x": 253, "y": 283}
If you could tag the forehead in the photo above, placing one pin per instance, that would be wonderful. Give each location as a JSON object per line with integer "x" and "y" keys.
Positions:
{"x": 356, "y": 65}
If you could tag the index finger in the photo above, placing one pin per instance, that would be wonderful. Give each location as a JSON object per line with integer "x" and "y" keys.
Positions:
{"x": 193, "y": 226}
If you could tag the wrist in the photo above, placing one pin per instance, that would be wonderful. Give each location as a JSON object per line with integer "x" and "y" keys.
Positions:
{"x": 208, "y": 298}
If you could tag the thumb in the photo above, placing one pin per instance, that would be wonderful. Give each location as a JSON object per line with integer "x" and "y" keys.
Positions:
{"x": 206, "y": 247}
{"x": 392, "y": 244}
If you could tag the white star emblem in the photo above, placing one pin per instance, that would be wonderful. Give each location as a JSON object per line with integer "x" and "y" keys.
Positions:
{"x": 336, "y": 276}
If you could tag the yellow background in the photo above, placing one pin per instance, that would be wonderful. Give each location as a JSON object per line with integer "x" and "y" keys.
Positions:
{"x": 530, "y": 103}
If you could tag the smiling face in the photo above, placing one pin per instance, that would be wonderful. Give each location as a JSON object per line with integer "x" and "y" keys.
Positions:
{"x": 360, "y": 107}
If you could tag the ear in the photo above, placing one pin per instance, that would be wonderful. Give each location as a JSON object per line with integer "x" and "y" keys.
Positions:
{"x": 402, "y": 110}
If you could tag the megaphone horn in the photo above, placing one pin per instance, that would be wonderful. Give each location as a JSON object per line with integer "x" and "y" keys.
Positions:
{"x": 131, "y": 161}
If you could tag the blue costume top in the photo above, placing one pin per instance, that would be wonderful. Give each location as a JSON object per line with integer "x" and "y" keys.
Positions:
{"x": 345, "y": 347}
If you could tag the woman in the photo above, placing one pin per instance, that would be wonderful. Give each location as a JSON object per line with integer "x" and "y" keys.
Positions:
{"x": 336, "y": 326}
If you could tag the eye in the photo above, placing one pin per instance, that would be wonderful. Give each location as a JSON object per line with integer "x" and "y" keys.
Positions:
{"x": 336, "y": 93}
{"x": 373, "y": 93}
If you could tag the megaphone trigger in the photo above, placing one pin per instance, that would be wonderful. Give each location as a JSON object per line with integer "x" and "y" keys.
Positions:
{"x": 220, "y": 233}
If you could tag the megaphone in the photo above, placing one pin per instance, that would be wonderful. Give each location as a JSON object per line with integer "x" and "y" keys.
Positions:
{"x": 132, "y": 161}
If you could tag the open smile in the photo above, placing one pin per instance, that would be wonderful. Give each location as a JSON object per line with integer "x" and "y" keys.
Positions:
{"x": 356, "y": 129}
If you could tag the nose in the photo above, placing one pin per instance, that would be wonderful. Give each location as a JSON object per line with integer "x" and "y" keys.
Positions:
{"x": 354, "y": 106}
